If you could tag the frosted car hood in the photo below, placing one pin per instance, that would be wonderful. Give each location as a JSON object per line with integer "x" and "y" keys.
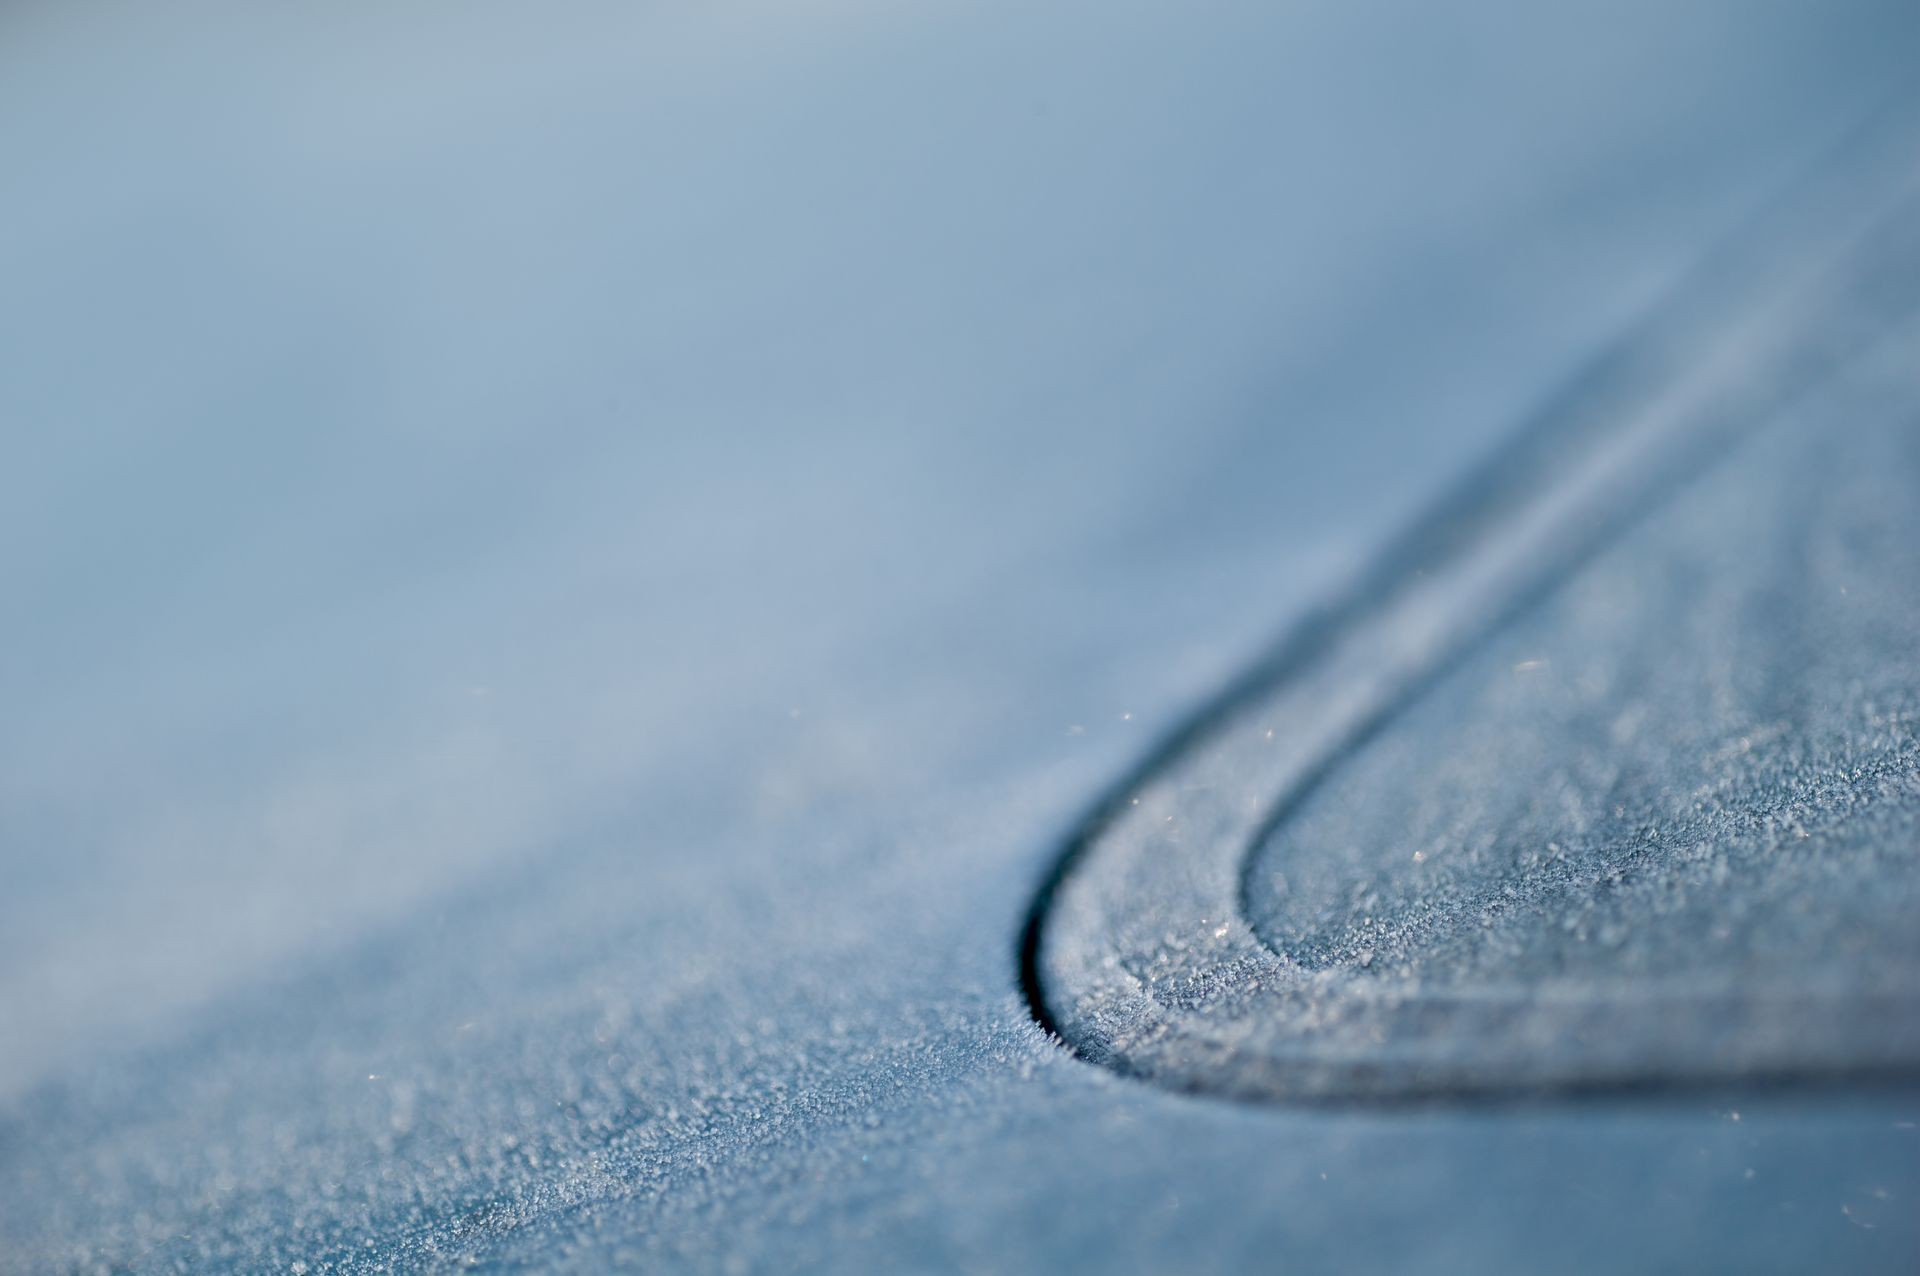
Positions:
{"x": 568, "y": 580}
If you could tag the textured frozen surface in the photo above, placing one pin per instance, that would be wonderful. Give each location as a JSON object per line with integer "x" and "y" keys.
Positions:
{"x": 564, "y": 576}
{"x": 1571, "y": 866}
{"x": 1674, "y": 816}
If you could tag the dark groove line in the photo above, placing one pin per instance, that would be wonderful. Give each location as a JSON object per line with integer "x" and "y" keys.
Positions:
{"x": 1575, "y": 416}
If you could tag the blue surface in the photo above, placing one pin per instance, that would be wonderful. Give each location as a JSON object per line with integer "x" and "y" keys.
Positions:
{"x": 565, "y": 578}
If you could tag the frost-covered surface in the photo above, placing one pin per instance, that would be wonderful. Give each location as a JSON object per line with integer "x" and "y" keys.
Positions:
{"x": 1696, "y": 771}
{"x": 1661, "y": 829}
{"x": 1513, "y": 817}
{"x": 565, "y": 574}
